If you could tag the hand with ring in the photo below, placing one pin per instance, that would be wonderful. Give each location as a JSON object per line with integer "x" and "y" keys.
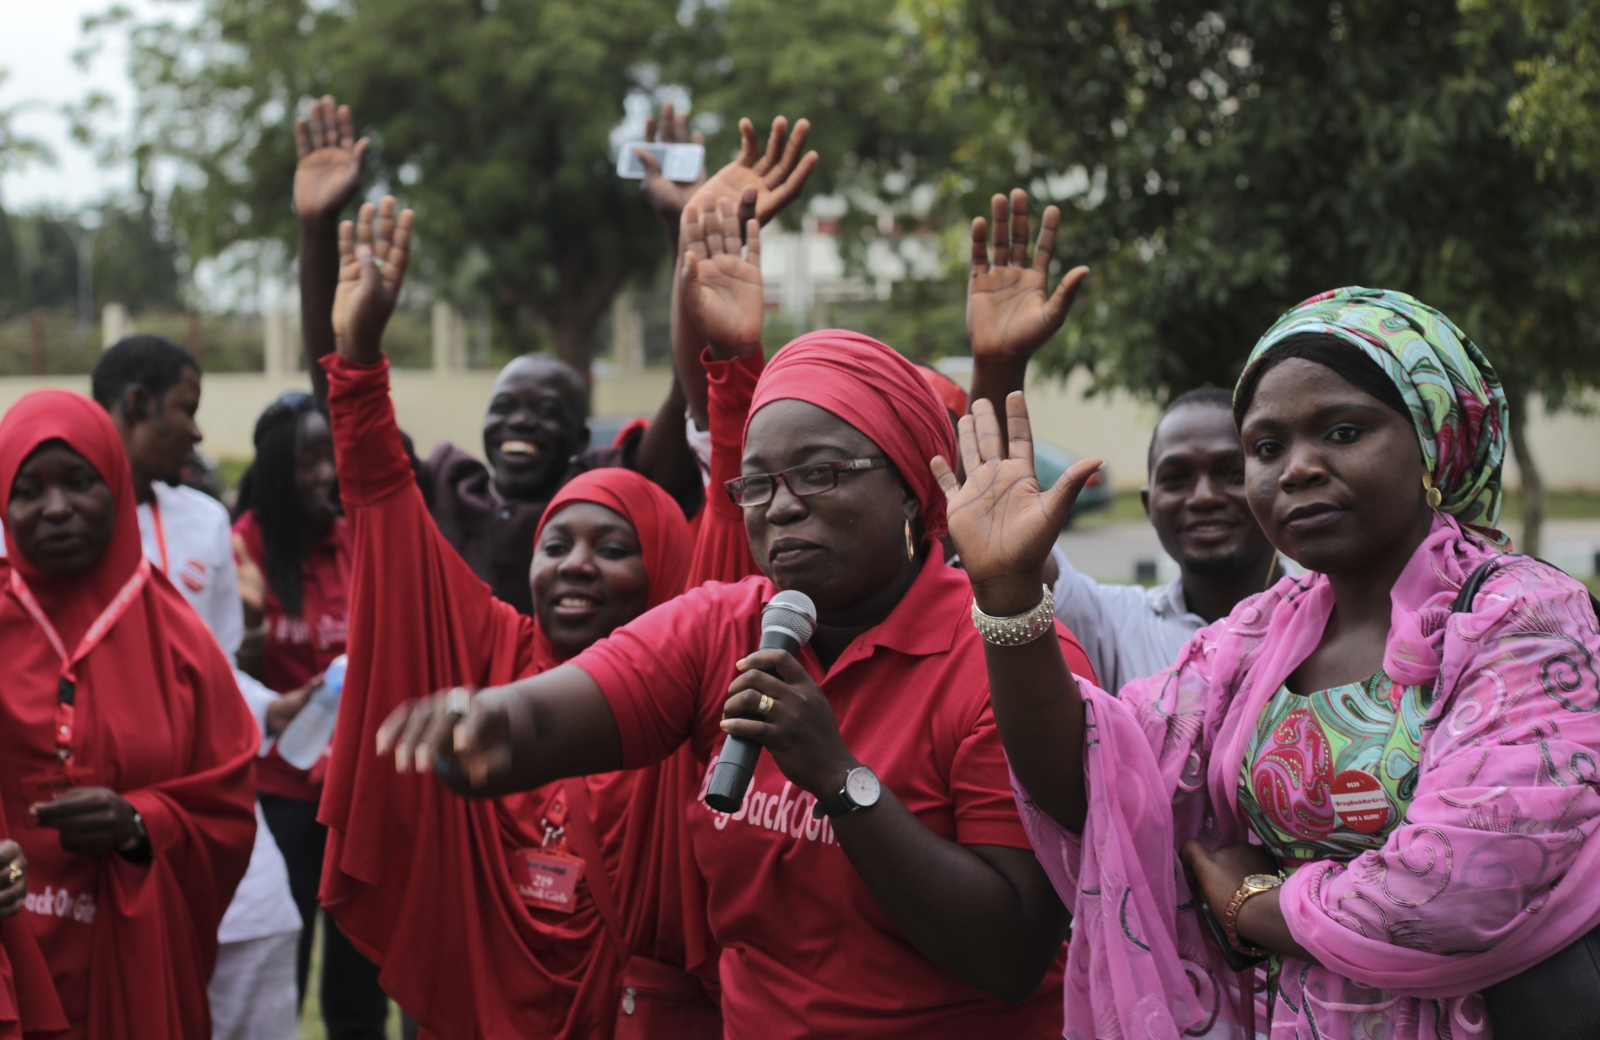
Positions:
{"x": 469, "y": 738}
{"x": 13, "y": 878}
{"x": 776, "y": 704}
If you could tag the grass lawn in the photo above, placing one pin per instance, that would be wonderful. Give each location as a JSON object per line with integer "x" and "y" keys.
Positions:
{"x": 311, "y": 1027}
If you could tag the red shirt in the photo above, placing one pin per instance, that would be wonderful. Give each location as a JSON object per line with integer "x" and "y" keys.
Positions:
{"x": 807, "y": 950}
{"x": 298, "y": 649}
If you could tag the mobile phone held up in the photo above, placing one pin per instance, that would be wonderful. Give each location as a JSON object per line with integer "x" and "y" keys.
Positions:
{"x": 678, "y": 162}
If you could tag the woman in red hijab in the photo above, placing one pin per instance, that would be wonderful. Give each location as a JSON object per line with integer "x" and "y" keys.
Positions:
{"x": 125, "y": 746}
{"x": 876, "y": 881}
{"x": 449, "y": 896}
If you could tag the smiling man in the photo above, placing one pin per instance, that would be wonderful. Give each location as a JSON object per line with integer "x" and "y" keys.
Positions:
{"x": 535, "y": 438}
{"x": 1196, "y": 502}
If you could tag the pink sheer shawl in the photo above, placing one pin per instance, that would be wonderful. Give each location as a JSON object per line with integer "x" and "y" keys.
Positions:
{"x": 1491, "y": 872}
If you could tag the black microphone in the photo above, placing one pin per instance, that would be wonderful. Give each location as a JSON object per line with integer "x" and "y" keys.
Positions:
{"x": 786, "y": 624}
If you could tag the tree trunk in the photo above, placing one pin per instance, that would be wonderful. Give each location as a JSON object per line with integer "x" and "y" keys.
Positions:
{"x": 574, "y": 334}
{"x": 1532, "y": 481}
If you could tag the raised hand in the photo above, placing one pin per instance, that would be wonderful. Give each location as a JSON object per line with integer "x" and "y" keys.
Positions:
{"x": 1003, "y": 523}
{"x": 372, "y": 267}
{"x": 669, "y": 197}
{"x": 1009, "y": 315}
{"x": 778, "y": 176}
{"x": 329, "y": 171}
{"x": 722, "y": 290}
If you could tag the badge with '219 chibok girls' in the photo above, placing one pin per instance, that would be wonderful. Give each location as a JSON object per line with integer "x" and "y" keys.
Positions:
{"x": 548, "y": 878}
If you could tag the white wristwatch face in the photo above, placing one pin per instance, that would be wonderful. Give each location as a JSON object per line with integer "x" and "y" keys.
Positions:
{"x": 861, "y": 784}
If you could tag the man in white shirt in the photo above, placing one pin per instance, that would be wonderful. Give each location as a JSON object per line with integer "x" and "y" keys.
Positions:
{"x": 1195, "y": 500}
{"x": 151, "y": 387}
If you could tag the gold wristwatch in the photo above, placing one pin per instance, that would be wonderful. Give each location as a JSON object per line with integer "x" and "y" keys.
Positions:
{"x": 1253, "y": 885}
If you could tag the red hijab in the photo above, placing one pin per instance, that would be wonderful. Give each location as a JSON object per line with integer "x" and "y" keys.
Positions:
{"x": 159, "y": 719}
{"x": 880, "y": 393}
{"x": 656, "y": 519}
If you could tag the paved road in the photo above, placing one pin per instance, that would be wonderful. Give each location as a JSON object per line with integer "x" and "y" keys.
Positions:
{"x": 1110, "y": 552}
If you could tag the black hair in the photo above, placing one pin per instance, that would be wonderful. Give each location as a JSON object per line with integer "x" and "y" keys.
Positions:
{"x": 269, "y": 488}
{"x": 1346, "y": 360}
{"x": 151, "y": 363}
{"x": 1199, "y": 397}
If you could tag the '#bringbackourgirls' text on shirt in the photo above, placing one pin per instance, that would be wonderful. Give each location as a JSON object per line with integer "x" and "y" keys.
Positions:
{"x": 58, "y": 902}
{"x": 785, "y": 811}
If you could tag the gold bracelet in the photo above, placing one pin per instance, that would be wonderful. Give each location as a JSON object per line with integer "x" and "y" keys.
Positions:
{"x": 1018, "y": 629}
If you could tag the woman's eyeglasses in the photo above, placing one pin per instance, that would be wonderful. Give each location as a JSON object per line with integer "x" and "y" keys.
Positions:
{"x": 813, "y": 478}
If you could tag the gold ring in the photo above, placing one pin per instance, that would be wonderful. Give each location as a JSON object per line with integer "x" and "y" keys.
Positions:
{"x": 15, "y": 873}
{"x": 764, "y": 705}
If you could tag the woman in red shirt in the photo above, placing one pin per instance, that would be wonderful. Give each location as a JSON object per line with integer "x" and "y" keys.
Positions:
{"x": 290, "y": 532}
{"x": 910, "y": 905}
{"x": 125, "y": 747}
{"x": 440, "y": 890}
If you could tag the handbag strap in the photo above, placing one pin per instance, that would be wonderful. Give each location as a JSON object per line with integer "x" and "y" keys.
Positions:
{"x": 581, "y": 836}
{"x": 1474, "y": 582}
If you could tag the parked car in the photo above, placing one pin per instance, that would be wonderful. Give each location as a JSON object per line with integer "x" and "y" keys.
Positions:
{"x": 1049, "y": 462}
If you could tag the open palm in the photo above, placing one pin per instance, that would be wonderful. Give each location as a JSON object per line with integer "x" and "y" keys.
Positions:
{"x": 722, "y": 288}
{"x": 1009, "y": 314}
{"x": 372, "y": 268}
{"x": 1002, "y": 522}
{"x": 777, "y": 176}
{"x": 329, "y": 168}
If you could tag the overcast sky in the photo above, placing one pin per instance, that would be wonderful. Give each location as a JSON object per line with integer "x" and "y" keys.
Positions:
{"x": 37, "y": 40}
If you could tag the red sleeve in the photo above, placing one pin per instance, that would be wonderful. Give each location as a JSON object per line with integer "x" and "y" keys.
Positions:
{"x": 653, "y": 674}
{"x": 721, "y": 548}
{"x": 414, "y": 874}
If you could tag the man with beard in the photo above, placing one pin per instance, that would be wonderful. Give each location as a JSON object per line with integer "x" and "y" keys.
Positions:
{"x": 1195, "y": 496}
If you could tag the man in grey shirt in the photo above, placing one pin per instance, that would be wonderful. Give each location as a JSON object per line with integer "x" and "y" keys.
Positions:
{"x": 1195, "y": 500}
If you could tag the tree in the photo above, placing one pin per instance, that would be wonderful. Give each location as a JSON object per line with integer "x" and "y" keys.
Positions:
{"x": 1219, "y": 162}
{"x": 490, "y": 117}
{"x": 1556, "y": 114}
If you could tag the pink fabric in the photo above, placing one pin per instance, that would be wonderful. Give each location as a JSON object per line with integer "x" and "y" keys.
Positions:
{"x": 877, "y": 391}
{"x": 1491, "y": 872}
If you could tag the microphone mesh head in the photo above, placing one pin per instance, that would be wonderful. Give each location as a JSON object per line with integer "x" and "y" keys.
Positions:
{"x": 794, "y": 613}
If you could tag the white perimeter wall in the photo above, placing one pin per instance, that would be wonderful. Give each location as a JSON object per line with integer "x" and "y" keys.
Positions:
{"x": 436, "y": 406}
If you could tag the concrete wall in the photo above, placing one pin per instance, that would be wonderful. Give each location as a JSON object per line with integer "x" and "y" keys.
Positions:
{"x": 435, "y": 406}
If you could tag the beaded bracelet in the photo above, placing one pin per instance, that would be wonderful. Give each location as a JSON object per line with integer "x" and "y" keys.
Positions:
{"x": 1018, "y": 629}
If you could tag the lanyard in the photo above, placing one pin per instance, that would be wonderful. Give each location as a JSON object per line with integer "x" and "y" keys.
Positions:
{"x": 161, "y": 534}
{"x": 67, "y": 686}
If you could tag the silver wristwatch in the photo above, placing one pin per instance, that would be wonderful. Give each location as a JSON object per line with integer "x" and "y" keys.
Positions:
{"x": 860, "y": 791}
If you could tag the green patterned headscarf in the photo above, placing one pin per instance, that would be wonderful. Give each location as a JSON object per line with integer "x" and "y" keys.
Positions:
{"x": 1449, "y": 386}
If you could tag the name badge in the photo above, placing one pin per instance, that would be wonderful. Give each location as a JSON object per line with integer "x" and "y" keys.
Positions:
{"x": 53, "y": 783}
{"x": 548, "y": 879}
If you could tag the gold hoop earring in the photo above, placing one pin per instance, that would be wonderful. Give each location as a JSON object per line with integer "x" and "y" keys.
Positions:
{"x": 911, "y": 545}
{"x": 1434, "y": 496}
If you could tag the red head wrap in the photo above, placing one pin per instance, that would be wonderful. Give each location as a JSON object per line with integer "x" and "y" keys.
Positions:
{"x": 72, "y": 604}
{"x": 658, "y": 520}
{"x": 877, "y": 391}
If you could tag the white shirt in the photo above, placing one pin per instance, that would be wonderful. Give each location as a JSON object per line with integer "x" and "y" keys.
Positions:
{"x": 1128, "y": 631}
{"x": 188, "y": 536}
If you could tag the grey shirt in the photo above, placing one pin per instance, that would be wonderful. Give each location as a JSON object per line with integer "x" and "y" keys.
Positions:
{"x": 1128, "y": 631}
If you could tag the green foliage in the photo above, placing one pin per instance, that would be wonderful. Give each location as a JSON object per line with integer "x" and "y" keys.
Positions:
{"x": 1556, "y": 114}
{"x": 1219, "y": 162}
{"x": 490, "y": 118}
